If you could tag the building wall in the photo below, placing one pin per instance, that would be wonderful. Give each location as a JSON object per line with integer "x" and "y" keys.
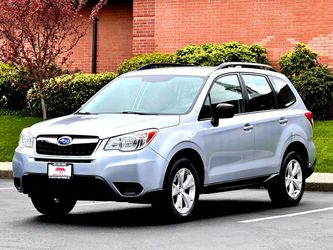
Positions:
{"x": 165, "y": 26}
{"x": 128, "y": 27}
{"x": 143, "y": 26}
{"x": 114, "y": 38}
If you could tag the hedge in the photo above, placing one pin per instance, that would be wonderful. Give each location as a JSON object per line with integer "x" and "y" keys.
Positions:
{"x": 67, "y": 93}
{"x": 313, "y": 81}
{"x": 137, "y": 61}
{"x": 298, "y": 60}
{"x": 204, "y": 55}
{"x": 13, "y": 87}
{"x": 316, "y": 89}
{"x": 215, "y": 54}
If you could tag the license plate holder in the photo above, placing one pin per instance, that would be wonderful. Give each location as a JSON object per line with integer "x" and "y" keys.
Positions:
{"x": 60, "y": 170}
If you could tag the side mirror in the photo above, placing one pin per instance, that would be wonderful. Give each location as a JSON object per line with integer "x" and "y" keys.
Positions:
{"x": 222, "y": 110}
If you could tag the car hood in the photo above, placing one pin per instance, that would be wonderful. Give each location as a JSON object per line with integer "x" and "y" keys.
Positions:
{"x": 102, "y": 125}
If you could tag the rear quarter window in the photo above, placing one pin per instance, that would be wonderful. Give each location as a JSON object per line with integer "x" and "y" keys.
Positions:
{"x": 285, "y": 95}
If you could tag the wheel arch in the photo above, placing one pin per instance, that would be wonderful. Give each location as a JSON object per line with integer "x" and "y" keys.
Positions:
{"x": 192, "y": 155}
{"x": 300, "y": 148}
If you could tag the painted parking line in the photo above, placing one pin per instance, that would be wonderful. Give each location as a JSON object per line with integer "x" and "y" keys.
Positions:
{"x": 93, "y": 203}
{"x": 8, "y": 188}
{"x": 287, "y": 215}
{"x": 87, "y": 204}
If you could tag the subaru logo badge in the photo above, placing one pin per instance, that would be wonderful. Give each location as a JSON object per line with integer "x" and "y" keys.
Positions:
{"x": 64, "y": 140}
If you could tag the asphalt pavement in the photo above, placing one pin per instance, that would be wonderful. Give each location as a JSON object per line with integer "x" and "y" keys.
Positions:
{"x": 242, "y": 219}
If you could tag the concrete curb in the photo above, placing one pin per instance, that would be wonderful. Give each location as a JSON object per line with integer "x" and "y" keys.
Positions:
{"x": 6, "y": 170}
{"x": 6, "y": 174}
{"x": 319, "y": 187}
{"x": 321, "y": 182}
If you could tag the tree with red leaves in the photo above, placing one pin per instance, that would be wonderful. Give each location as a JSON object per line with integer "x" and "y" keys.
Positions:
{"x": 39, "y": 36}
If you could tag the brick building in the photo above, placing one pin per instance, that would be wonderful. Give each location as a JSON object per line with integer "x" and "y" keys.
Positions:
{"x": 127, "y": 27}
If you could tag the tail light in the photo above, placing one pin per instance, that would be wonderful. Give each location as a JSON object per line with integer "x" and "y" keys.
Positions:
{"x": 309, "y": 116}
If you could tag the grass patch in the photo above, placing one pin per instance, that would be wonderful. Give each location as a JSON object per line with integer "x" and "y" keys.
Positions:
{"x": 323, "y": 139}
{"x": 11, "y": 126}
{"x": 10, "y": 129}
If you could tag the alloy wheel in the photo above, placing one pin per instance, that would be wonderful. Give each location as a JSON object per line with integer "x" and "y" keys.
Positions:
{"x": 183, "y": 191}
{"x": 294, "y": 179}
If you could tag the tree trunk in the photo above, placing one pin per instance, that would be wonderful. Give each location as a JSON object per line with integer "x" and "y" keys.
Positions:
{"x": 42, "y": 101}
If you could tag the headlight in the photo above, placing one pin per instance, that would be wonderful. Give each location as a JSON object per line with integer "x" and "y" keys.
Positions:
{"x": 131, "y": 142}
{"x": 26, "y": 139}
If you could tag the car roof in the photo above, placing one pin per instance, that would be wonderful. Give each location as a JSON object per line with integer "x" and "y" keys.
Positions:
{"x": 203, "y": 71}
{"x": 187, "y": 70}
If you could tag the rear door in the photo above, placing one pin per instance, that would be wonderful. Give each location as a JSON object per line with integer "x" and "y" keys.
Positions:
{"x": 269, "y": 123}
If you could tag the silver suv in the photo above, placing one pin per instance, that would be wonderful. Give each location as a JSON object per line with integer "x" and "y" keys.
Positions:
{"x": 165, "y": 135}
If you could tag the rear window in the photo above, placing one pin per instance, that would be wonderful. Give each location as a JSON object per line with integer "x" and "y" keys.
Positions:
{"x": 285, "y": 96}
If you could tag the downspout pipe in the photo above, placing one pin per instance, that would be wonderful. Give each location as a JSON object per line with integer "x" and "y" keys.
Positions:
{"x": 94, "y": 47}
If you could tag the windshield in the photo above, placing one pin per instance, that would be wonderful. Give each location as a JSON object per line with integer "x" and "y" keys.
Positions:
{"x": 159, "y": 94}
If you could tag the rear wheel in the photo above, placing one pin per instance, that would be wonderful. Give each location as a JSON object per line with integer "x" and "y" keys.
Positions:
{"x": 181, "y": 191}
{"x": 289, "y": 189}
{"x": 52, "y": 206}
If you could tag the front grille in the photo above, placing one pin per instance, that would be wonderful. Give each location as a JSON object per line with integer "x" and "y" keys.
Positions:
{"x": 80, "y": 146}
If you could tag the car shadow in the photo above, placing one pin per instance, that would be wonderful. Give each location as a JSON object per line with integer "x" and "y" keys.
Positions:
{"x": 143, "y": 216}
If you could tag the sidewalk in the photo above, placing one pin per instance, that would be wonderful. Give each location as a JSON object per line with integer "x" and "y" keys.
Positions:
{"x": 316, "y": 182}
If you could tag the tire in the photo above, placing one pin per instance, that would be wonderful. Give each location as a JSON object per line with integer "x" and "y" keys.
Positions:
{"x": 50, "y": 205}
{"x": 180, "y": 192}
{"x": 289, "y": 188}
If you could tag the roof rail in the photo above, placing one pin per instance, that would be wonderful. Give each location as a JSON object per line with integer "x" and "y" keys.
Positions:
{"x": 162, "y": 65}
{"x": 245, "y": 65}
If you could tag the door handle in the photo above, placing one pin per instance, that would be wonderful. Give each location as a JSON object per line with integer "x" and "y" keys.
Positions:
{"x": 283, "y": 121}
{"x": 248, "y": 127}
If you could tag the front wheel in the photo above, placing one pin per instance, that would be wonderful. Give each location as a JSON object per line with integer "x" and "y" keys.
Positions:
{"x": 181, "y": 191}
{"x": 289, "y": 189}
{"x": 50, "y": 205}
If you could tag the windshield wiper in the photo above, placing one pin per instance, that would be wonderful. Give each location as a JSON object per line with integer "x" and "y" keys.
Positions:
{"x": 84, "y": 113}
{"x": 137, "y": 113}
{"x": 134, "y": 112}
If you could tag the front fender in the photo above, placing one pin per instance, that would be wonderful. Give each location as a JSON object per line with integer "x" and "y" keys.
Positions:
{"x": 169, "y": 142}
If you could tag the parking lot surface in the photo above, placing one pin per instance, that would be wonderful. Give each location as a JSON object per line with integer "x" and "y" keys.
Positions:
{"x": 242, "y": 219}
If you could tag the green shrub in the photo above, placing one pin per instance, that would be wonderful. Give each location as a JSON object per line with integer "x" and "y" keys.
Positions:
{"x": 137, "y": 61}
{"x": 316, "y": 89}
{"x": 67, "y": 93}
{"x": 21, "y": 112}
{"x": 13, "y": 87}
{"x": 204, "y": 55}
{"x": 215, "y": 54}
{"x": 295, "y": 62}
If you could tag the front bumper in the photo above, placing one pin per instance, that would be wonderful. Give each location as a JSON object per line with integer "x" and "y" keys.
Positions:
{"x": 106, "y": 175}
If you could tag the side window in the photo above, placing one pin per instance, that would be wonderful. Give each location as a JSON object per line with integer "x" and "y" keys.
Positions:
{"x": 261, "y": 96}
{"x": 225, "y": 89}
{"x": 285, "y": 95}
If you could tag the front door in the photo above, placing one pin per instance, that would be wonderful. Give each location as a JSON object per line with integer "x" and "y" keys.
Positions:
{"x": 229, "y": 147}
